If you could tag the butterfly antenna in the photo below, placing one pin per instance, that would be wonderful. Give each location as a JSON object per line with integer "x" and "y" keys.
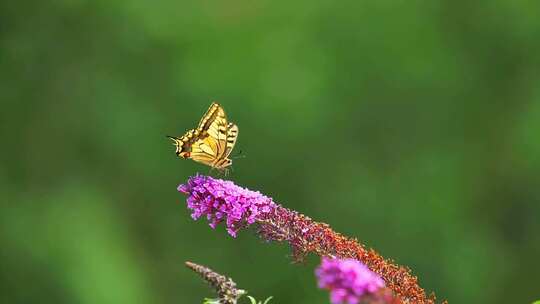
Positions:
{"x": 172, "y": 137}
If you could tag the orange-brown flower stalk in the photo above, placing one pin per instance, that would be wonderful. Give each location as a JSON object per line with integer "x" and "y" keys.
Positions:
{"x": 305, "y": 235}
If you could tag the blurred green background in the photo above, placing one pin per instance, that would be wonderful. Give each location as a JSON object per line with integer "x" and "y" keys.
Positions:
{"x": 412, "y": 125}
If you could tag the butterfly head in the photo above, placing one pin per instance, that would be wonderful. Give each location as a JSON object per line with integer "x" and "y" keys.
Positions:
{"x": 181, "y": 147}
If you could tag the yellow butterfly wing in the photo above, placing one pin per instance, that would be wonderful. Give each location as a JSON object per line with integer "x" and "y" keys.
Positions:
{"x": 212, "y": 141}
{"x": 214, "y": 149}
{"x": 232, "y": 135}
{"x": 214, "y": 112}
{"x": 204, "y": 151}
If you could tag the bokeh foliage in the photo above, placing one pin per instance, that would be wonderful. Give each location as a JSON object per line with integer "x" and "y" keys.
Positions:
{"x": 412, "y": 125}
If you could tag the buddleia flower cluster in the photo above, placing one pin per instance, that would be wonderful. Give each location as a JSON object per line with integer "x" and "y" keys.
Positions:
{"x": 222, "y": 201}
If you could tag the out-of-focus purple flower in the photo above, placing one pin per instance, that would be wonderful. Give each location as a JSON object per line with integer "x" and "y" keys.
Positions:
{"x": 347, "y": 279}
{"x": 221, "y": 200}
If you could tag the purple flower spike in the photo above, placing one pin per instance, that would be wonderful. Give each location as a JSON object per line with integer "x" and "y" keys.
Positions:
{"x": 348, "y": 280}
{"x": 221, "y": 200}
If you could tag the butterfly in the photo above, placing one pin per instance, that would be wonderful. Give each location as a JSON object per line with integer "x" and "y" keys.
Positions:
{"x": 211, "y": 142}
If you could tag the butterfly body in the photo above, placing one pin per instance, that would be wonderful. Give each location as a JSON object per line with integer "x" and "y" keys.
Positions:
{"x": 211, "y": 142}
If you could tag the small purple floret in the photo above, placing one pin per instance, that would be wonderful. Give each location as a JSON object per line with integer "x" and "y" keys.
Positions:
{"x": 221, "y": 200}
{"x": 348, "y": 280}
